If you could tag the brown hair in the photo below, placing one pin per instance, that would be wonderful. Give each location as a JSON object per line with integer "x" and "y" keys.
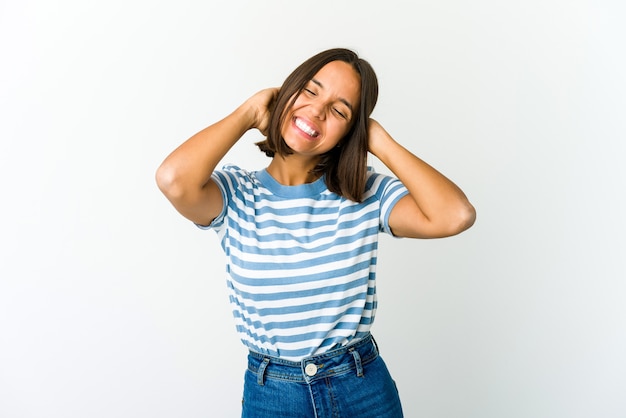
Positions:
{"x": 345, "y": 166}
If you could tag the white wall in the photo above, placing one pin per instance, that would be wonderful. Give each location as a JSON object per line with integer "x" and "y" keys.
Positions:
{"x": 112, "y": 305}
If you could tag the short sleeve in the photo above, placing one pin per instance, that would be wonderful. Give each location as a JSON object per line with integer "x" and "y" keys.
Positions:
{"x": 388, "y": 190}
{"x": 226, "y": 180}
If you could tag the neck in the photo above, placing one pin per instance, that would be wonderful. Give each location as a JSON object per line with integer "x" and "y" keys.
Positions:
{"x": 292, "y": 171}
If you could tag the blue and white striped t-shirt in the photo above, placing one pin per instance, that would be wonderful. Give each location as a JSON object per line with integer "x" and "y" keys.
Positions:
{"x": 301, "y": 260}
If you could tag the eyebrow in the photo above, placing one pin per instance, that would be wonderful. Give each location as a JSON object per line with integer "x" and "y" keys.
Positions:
{"x": 341, "y": 99}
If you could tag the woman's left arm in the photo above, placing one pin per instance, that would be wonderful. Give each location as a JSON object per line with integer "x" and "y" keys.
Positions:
{"x": 435, "y": 207}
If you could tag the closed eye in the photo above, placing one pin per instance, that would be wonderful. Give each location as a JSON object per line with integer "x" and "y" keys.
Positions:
{"x": 340, "y": 113}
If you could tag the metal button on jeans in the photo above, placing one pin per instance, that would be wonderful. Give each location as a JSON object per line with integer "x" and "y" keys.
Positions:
{"x": 310, "y": 369}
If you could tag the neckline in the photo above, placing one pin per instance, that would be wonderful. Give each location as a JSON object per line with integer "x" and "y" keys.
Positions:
{"x": 301, "y": 190}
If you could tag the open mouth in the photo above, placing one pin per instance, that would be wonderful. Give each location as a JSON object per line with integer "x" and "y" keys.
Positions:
{"x": 304, "y": 127}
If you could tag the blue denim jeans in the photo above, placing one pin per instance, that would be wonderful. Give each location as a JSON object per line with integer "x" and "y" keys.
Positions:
{"x": 348, "y": 382}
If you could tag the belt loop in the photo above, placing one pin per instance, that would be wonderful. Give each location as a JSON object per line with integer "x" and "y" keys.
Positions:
{"x": 357, "y": 362}
{"x": 261, "y": 372}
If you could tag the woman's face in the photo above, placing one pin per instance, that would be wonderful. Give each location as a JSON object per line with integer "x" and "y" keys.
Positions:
{"x": 323, "y": 112}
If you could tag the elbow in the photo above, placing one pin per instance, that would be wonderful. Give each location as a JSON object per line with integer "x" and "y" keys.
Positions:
{"x": 458, "y": 219}
{"x": 167, "y": 181}
{"x": 465, "y": 218}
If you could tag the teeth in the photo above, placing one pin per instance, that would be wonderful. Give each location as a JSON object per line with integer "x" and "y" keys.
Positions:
{"x": 306, "y": 128}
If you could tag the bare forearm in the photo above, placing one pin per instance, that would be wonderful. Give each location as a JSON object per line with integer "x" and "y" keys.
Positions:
{"x": 441, "y": 202}
{"x": 192, "y": 163}
{"x": 185, "y": 175}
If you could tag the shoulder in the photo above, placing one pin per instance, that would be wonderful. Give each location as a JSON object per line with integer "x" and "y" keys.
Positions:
{"x": 231, "y": 174}
{"x": 234, "y": 171}
{"x": 379, "y": 182}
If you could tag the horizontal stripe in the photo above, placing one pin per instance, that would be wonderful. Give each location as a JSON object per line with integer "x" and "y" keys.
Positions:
{"x": 304, "y": 296}
{"x": 288, "y": 312}
{"x": 305, "y": 323}
{"x": 313, "y": 260}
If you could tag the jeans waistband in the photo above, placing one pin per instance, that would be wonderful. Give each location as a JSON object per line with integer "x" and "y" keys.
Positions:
{"x": 351, "y": 357}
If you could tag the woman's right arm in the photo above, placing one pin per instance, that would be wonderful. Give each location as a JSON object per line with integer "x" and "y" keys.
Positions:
{"x": 185, "y": 175}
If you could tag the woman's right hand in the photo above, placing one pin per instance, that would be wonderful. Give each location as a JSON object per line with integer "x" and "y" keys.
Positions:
{"x": 262, "y": 104}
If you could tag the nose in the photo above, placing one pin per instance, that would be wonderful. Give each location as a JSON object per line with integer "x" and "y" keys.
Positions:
{"x": 318, "y": 110}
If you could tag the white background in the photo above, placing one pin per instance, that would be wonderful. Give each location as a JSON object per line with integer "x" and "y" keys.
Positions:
{"x": 112, "y": 305}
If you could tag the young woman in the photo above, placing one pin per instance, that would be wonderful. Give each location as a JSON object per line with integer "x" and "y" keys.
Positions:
{"x": 301, "y": 235}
